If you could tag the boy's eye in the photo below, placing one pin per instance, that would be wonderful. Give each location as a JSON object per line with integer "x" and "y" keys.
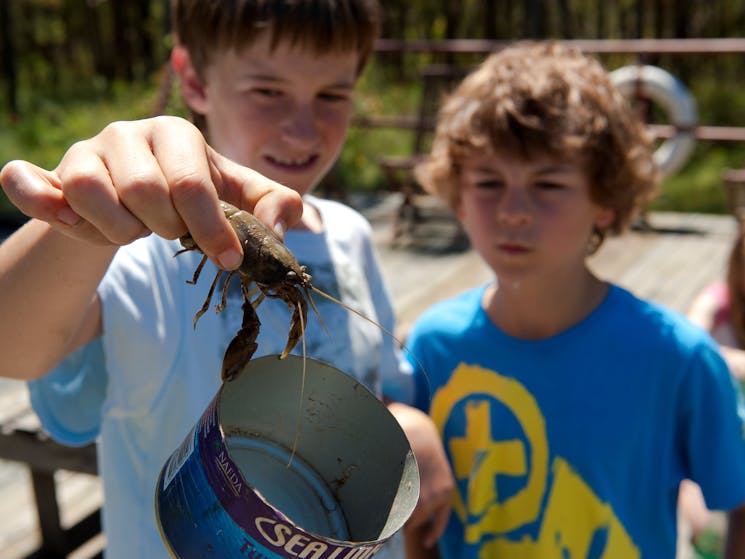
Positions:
{"x": 334, "y": 97}
{"x": 488, "y": 184}
{"x": 549, "y": 185}
{"x": 267, "y": 92}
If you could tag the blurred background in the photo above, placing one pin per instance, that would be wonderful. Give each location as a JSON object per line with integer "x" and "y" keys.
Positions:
{"x": 68, "y": 67}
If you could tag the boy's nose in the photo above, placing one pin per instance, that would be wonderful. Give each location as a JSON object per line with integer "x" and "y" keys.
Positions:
{"x": 299, "y": 127}
{"x": 514, "y": 207}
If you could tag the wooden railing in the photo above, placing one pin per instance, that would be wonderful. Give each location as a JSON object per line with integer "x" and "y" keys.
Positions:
{"x": 597, "y": 46}
{"x": 397, "y": 170}
{"x": 641, "y": 48}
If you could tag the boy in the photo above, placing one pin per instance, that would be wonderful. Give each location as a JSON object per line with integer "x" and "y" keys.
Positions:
{"x": 272, "y": 84}
{"x": 569, "y": 409}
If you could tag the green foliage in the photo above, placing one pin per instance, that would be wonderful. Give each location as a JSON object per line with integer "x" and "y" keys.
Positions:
{"x": 45, "y": 134}
{"x": 379, "y": 94}
{"x": 80, "y": 65}
{"x": 54, "y": 125}
{"x": 698, "y": 187}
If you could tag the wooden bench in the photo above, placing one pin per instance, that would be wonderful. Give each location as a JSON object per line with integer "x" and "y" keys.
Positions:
{"x": 734, "y": 187}
{"x": 22, "y": 440}
{"x": 436, "y": 81}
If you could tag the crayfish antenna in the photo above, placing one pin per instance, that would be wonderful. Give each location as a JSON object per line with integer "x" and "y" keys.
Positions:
{"x": 293, "y": 450}
{"x": 315, "y": 310}
{"x": 371, "y": 321}
{"x": 355, "y": 311}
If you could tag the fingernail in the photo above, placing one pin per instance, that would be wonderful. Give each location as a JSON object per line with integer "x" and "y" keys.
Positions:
{"x": 230, "y": 259}
{"x": 279, "y": 229}
{"x": 68, "y": 217}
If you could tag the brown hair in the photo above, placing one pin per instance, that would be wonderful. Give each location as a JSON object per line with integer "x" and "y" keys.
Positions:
{"x": 736, "y": 286}
{"x": 208, "y": 26}
{"x": 541, "y": 97}
{"x": 205, "y": 27}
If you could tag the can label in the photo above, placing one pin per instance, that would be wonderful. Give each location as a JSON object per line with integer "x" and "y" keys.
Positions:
{"x": 262, "y": 532}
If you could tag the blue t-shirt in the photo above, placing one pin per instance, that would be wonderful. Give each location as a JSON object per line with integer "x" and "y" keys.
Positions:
{"x": 574, "y": 445}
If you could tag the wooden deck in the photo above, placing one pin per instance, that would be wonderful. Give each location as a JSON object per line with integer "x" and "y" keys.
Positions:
{"x": 668, "y": 263}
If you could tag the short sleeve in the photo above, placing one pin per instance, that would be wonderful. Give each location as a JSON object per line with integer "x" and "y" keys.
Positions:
{"x": 715, "y": 445}
{"x": 69, "y": 400}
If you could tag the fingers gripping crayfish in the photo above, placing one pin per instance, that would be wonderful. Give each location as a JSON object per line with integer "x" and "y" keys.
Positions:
{"x": 274, "y": 272}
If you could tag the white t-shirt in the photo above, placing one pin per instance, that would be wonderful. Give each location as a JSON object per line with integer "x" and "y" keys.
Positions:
{"x": 142, "y": 386}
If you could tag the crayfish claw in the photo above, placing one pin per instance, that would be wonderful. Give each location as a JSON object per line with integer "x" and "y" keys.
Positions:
{"x": 237, "y": 356}
{"x": 297, "y": 327}
{"x": 242, "y": 347}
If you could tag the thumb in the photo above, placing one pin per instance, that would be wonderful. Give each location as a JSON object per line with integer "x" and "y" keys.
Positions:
{"x": 277, "y": 206}
{"x": 36, "y": 192}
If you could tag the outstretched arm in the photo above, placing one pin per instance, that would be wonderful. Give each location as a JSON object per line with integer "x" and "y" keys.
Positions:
{"x": 132, "y": 179}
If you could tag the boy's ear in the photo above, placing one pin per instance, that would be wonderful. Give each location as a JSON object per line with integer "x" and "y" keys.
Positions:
{"x": 192, "y": 87}
{"x": 456, "y": 206}
{"x": 605, "y": 218}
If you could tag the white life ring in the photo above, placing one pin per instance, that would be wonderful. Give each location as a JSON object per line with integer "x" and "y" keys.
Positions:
{"x": 656, "y": 84}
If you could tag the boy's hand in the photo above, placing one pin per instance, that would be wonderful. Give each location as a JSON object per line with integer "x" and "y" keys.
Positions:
{"x": 149, "y": 176}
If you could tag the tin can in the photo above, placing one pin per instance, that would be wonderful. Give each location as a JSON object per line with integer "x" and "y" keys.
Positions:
{"x": 267, "y": 474}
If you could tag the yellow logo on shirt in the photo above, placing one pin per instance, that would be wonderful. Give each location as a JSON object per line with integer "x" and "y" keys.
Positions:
{"x": 477, "y": 457}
